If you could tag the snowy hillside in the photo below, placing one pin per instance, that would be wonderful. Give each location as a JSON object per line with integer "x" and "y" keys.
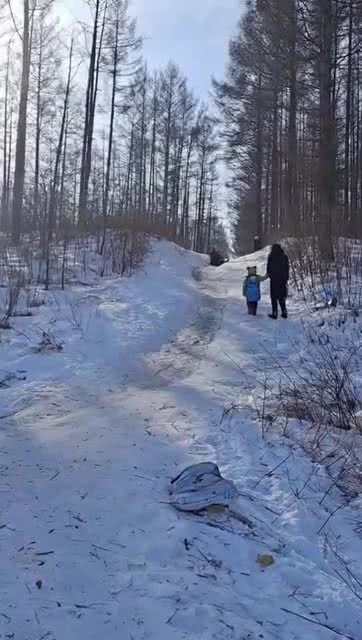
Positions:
{"x": 107, "y": 393}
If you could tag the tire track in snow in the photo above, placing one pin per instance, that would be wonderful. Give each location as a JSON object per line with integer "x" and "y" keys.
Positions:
{"x": 179, "y": 358}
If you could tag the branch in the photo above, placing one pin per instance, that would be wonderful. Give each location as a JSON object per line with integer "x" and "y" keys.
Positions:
{"x": 319, "y": 624}
{"x": 14, "y": 21}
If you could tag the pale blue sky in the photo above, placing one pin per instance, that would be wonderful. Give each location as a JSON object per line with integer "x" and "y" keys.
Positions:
{"x": 193, "y": 33}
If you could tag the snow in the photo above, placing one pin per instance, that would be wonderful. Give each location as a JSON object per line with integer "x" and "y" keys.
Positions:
{"x": 91, "y": 435}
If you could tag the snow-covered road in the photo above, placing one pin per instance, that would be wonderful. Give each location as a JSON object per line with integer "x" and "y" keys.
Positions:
{"x": 89, "y": 547}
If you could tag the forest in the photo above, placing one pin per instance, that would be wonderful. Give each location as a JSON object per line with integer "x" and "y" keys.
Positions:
{"x": 291, "y": 110}
{"x": 93, "y": 140}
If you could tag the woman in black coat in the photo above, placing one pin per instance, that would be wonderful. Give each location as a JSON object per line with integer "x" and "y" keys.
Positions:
{"x": 278, "y": 272}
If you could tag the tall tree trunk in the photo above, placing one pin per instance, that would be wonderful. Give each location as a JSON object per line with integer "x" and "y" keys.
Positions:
{"x": 166, "y": 176}
{"x": 267, "y": 208}
{"x": 207, "y": 247}
{"x": 129, "y": 174}
{"x": 9, "y": 161}
{"x": 259, "y": 161}
{"x": 5, "y": 194}
{"x": 152, "y": 176}
{"x": 19, "y": 176}
{"x": 274, "y": 167}
{"x": 348, "y": 114}
{"x": 200, "y": 205}
{"x": 58, "y": 157}
{"x": 327, "y": 147}
{"x": 357, "y": 154}
{"x": 186, "y": 198}
{"x": 292, "y": 129}
{"x": 38, "y": 133}
{"x": 83, "y": 195}
{"x": 90, "y": 109}
{"x": 111, "y": 132}
{"x": 64, "y": 165}
{"x": 88, "y": 166}
{"x": 142, "y": 148}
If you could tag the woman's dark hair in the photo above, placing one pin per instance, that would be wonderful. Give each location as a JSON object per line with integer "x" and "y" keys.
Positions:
{"x": 276, "y": 250}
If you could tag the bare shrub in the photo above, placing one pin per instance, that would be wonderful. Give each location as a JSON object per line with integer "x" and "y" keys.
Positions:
{"x": 13, "y": 289}
{"x": 124, "y": 251}
{"x": 34, "y": 298}
{"x": 76, "y": 314}
{"x": 48, "y": 343}
{"x": 344, "y": 569}
{"x": 316, "y": 278}
{"x": 80, "y": 316}
{"x": 75, "y": 254}
{"x": 4, "y": 323}
{"x": 7, "y": 377}
{"x": 319, "y": 387}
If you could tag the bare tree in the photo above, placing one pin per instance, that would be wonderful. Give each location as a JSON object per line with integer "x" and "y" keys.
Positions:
{"x": 121, "y": 43}
{"x": 138, "y": 156}
{"x": 99, "y": 24}
{"x": 19, "y": 176}
{"x": 290, "y": 106}
{"x": 6, "y": 144}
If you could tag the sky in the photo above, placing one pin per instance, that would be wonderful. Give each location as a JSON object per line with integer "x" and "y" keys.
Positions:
{"x": 193, "y": 33}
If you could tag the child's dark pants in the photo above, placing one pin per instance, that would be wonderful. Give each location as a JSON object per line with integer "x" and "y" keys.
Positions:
{"x": 252, "y": 308}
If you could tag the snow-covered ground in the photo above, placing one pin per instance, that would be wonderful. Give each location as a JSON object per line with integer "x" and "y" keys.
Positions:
{"x": 90, "y": 436}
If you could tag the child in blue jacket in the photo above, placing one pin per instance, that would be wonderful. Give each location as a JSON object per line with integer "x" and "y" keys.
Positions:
{"x": 251, "y": 290}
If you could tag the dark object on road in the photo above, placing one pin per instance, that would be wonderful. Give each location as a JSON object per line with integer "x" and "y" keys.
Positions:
{"x": 216, "y": 259}
{"x": 257, "y": 243}
{"x": 278, "y": 272}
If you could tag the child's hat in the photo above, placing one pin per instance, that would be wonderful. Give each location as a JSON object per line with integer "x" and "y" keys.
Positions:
{"x": 252, "y": 271}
